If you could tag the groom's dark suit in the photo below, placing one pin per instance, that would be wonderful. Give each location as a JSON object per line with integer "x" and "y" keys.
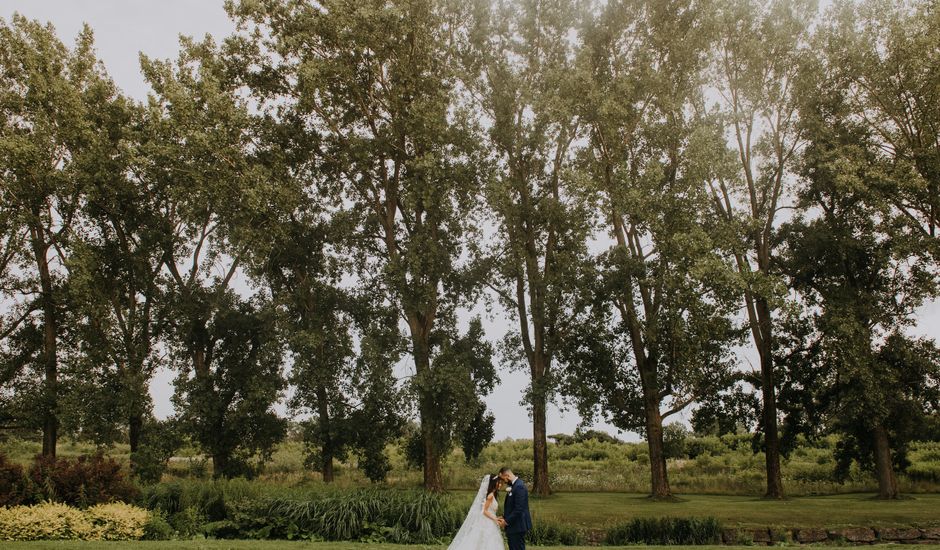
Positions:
{"x": 516, "y": 514}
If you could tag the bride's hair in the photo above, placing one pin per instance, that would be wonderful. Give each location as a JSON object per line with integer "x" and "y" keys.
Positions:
{"x": 494, "y": 482}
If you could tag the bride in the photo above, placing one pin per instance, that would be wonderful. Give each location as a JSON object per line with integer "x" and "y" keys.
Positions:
{"x": 480, "y": 531}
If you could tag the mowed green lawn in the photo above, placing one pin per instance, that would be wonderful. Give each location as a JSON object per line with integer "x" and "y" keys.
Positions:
{"x": 598, "y": 510}
{"x": 291, "y": 545}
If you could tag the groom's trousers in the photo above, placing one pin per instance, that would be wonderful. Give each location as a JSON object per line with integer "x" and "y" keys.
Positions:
{"x": 516, "y": 540}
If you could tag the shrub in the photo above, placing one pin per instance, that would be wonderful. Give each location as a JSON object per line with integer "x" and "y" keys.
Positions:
{"x": 665, "y": 531}
{"x": 47, "y": 521}
{"x": 118, "y": 521}
{"x": 198, "y": 467}
{"x": 545, "y": 533}
{"x": 157, "y": 528}
{"x": 250, "y": 519}
{"x": 707, "y": 444}
{"x": 209, "y": 498}
{"x": 13, "y": 483}
{"x": 188, "y": 522}
{"x": 161, "y": 439}
{"x": 81, "y": 481}
{"x": 57, "y": 521}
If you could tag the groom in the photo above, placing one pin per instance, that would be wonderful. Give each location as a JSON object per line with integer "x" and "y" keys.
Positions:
{"x": 516, "y": 519}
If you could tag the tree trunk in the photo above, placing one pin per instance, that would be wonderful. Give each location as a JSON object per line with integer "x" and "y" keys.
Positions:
{"x": 326, "y": 452}
{"x": 326, "y": 468}
{"x": 433, "y": 474}
{"x": 219, "y": 464}
{"x": 135, "y": 424}
{"x": 659, "y": 478}
{"x": 769, "y": 399}
{"x": 884, "y": 466}
{"x": 50, "y": 420}
{"x": 540, "y": 482}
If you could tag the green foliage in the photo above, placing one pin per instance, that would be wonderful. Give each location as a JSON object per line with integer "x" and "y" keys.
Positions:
{"x": 676, "y": 440}
{"x": 240, "y": 509}
{"x": 412, "y": 447}
{"x": 353, "y": 159}
{"x": 157, "y": 528}
{"x": 401, "y": 161}
{"x": 159, "y": 442}
{"x": 56, "y": 106}
{"x": 354, "y": 400}
{"x": 924, "y": 460}
{"x": 227, "y": 407}
{"x": 524, "y": 56}
{"x": 550, "y": 533}
{"x": 845, "y": 249}
{"x": 666, "y": 530}
{"x": 477, "y": 434}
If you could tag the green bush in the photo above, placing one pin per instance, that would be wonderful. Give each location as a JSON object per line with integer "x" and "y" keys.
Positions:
{"x": 665, "y": 531}
{"x": 158, "y": 528}
{"x": 188, "y": 522}
{"x": 705, "y": 445}
{"x": 161, "y": 439}
{"x": 546, "y": 533}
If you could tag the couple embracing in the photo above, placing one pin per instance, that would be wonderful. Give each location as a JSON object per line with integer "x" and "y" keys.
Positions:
{"x": 480, "y": 531}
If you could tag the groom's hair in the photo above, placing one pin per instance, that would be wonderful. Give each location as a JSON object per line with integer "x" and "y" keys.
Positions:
{"x": 505, "y": 469}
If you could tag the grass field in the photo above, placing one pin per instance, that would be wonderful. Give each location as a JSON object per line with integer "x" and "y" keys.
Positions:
{"x": 710, "y": 465}
{"x": 597, "y": 510}
{"x": 291, "y": 545}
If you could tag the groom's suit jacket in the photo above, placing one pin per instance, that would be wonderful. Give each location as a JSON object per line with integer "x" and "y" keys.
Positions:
{"x": 516, "y": 508}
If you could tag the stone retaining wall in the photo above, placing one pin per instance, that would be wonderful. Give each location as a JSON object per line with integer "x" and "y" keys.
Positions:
{"x": 853, "y": 535}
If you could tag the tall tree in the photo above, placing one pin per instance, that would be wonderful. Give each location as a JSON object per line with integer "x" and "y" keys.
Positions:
{"x": 352, "y": 402}
{"x": 851, "y": 252}
{"x": 760, "y": 44}
{"x": 375, "y": 86}
{"x": 228, "y": 409}
{"x": 214, "y": 198}
{"x": 888, "y": 56}
{"x": 542, "y": 226}
{"x": 651, "y": 151}
{"x": 48, "y": 93}
{"x": 118, "y": 289}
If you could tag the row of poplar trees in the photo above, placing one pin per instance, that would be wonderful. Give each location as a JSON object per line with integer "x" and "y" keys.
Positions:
{"x": 647, "y": 189}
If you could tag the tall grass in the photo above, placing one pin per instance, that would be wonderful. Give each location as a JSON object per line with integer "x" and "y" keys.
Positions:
{"x": 243, "y": 509}
{"x": 415, "y": 517}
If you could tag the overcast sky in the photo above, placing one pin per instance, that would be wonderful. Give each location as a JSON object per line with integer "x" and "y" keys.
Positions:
{"x": 125, "y": 28}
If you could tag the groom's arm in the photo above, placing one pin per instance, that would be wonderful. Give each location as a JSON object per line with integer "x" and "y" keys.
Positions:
{"x": 520, "y": 503}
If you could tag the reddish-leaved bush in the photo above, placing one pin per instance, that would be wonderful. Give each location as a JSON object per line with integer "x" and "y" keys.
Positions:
{"x": 14, "y": 488}
{"x": 81, "y": 481}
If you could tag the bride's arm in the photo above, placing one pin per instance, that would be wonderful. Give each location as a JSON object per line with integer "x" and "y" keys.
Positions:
{"x": 486, "y": 508}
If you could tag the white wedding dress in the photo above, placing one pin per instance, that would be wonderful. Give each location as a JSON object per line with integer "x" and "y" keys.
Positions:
{"x": 479, "y": 532}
